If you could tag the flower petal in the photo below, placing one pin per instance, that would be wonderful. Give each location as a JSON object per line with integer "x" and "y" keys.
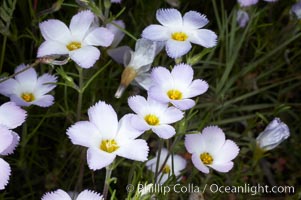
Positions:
{"x": 84, "y": 133}
{"x": 18, "y": 100}
{"x": 171, "y": 115}
{"x": 162, "y": 78}
{"x": 44, "y": 101}
{"x": 15, "y": 117}
{"x": 182, "y": 74}
{"x": 15, "y": 142}
{"x": 115, "y": 27}
{"x": 27, "y": 78}
{"x": 194, "y": 20}
{"x": 45, "y": 84}
{"x": 8, "y": 87}
{"x": 55, "y": 30}
{"x": 195, "y": 158}
{"x": 183, "y": 104}
{"x": 117, "y": 54}
{"x": 156, "y": 33}
{"x": 104, "y": 117}
{"x": 247, "y": 2}
{"x": 139, "y": 123}
{"x": 227, "y": 153}
{"x": 52, "y": 48}
{"x": 143, "y": 80}
{"x": 196, "y": 88}
{"x": 98, "y": 159}
{"x": 176, "y": 49}
{"x": 223, "y": 167}
{"x": 126, "y": 130}
{"x": 164, "y": 131}
{"x": 157, "y": 93}
{"x": 5, "y": 173}
{"x": 6, "y": 139}
{"x": 138, "y": 104}
{"x": 89, "y": 195}
{"x": 169, "y": 17}
{"x": 86, "y": 56}
{"x": 133, "y": 149}
{"x": 56, "y": 195}
{"x": 204, "y": 37}
{"x": 194, "y": 143}
{"x": 99, "y": 37}
{"x": 214, "y": 139}
{"x": 80, "y": 24}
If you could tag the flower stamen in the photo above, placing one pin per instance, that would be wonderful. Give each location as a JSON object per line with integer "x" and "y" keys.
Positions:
{"x": 206, "y": 158}
{"x": 179, "y": 36}
{"x": 174, "y": 94}
{"x": 28, "y": 97}
{"x": 152, "y": 120}
{"x": 109, "y": 145}
{"x": 73, "y": 46}
{"x": 166, "y": 169}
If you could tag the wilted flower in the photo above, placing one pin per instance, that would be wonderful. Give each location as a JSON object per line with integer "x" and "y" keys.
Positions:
{"x": 62, "y": 195}
{"x": 176, "y": 87}
{"x": 106, "y": 138}
{"x": 137, "y": 63}
{"x": 275, "y": 132}
{"x": 118, "y": 34}
{"x": 211, "y": 149}
{"x": 242, "y": 18}
{"x": 296, "y": 9}
{"x": 11, "y": 116}
{"x": 179, "y": 32}
{"x": 176, "y": 165}
{"x": 29, "y": 89}
{"x": 151, "y": 114}
{"x": 77, "y": 41}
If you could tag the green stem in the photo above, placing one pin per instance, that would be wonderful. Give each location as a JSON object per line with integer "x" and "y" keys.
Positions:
{"x": 158, "y": 160}
{"x": 105, "y": 191}
{"x": 3, "y": 52}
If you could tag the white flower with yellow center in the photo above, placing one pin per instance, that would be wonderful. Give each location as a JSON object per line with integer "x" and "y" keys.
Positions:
{"x": 211, "y": 149}
{"x": 106, "y": 138}
{"x": 175, "y": 164}
{"x": 151, "y": 114}
{"x": 179, "y": 32}
{"x": 78, "y": 41}
{"x": 176, "y": 87}
{"x": 62, "y": 195}
{"x": 28, "y": 89}
{"x": 11, "y": 116}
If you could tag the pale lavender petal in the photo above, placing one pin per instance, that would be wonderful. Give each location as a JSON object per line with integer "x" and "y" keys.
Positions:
{"x": 204, "y": 37}
{"x": 80, "y": 24}
{"x": 89, "y": 195}
{"x": 52, "y": 48}
{"x": 194, "y": 20}
{"x": 182, "y": 74}
{"x": 6, "y": 139}
{"x": 27, "y": 78}
{"x": 176, "y": 49}
{"x": 139, "y": 123}
{"x": 247, "y": 2}
{"x": 117, "y": 54}
{"x": 156, "y": 33}
{"x": 10, "y": 149}
{"x": 11, "y": 115}
{"x": 19, "y": 101}
{"x": 118, "y": 33}
{"x": 45, "y": 84}
{"x": 5, "y": 173}
{"x": 44, "y": 101}
{"x": 214, "y": 138}
{"x": 126, "y": 130}
{"x": 227, "y": 153}
{"x": 242, "y": 18}
{"x": 179, "y": 164}
{"x": 169, "y": 17}
{"x": 138, "y": 104}
{"x": 193, "y": 143}
{"x": 84, "y": 133}
{"x": 196, "y": 88}
{"x": 183, "y": 104}
{"x": 55, "y": 30}
{"x": 164, "y": 131}
{"x": 104, "y": 117}
{"x": 157, "y": 93}
{"x": 222, "y": 167}
{"x": 86, "y": 56}
{"x": 8, "y": 87}
{"x": 134, "y": 150}
{"x": 99, "y": 37}
{"x": 144, "y": 80}
{"x": 171, "y": 115}
{"x": 98, "y": 159}
{"x": 162, "y": 78}
{"x": 56, "y": 195}
{"x": 195, "y": 158}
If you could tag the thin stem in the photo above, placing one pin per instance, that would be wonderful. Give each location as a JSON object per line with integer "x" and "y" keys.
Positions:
{"x": 3, "y": 52}
{"x": 105, "y": 191}
{"x": 158, "y": 160}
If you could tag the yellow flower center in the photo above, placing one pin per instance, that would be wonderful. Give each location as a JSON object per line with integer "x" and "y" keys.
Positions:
{"x": 206, "y": 158}
{"x": 73, "y": 46}
{"x": 179, "y": 36}
{"x": 166, "y": 169}
{"x": 152, "y": 120}
{"x": 174, "y": 94}
{"x": 109, "y": 145}
{"x": 28, "y": 97}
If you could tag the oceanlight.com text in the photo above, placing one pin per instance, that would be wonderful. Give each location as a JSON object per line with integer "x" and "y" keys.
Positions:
{"x": 214, "y": 188}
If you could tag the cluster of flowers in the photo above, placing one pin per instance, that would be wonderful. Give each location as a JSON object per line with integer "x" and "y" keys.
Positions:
{"x": 170, "y": 94}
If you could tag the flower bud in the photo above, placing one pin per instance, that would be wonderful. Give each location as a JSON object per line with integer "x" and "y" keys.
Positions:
{"x": 273, "y": 135}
